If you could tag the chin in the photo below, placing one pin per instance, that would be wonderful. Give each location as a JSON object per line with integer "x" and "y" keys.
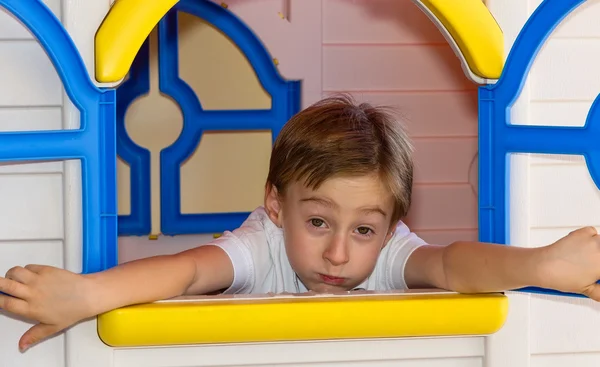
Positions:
{"x": 327, "y": 288}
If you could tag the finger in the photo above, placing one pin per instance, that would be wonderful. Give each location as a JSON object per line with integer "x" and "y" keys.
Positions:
{"x": 593, "y": 292}
{"x": 588, "y": 231}
{"x": 14, "y": 305}
{"x": 13, "y": 288}
{"x": 35, "y": 335}
{"x": 35, "y": 268}
{"x": 20, "y": 274}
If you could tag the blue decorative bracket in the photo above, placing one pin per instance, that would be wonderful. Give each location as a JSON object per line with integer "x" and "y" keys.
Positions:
{"x": 93, "y": 143}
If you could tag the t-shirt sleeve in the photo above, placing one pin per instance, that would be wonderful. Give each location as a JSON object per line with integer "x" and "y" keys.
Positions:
{"x": 241, "y": 260}
{"x": 402, "y": 244}
{"x": 245, "y": 246}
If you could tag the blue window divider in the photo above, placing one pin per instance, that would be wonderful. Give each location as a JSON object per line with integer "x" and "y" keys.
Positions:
{"x": 93, "y": 143}
{"x": 138, "y": 222}
{"x": 285, "y": 97}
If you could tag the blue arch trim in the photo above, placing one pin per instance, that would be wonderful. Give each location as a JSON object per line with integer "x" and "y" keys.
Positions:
{"x": 498, "y": 137}
{"x": 285, "y": 97}
{"x": 93, "y": 143}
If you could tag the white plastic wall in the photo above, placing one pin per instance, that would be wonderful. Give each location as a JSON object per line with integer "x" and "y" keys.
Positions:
{"x": 31, "y": 196}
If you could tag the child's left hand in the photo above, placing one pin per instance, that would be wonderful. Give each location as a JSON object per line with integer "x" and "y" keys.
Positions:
{"x": 572, "y": 264}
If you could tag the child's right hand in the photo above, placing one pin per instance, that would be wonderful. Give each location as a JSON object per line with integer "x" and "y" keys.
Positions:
{"x": 54, "y": 297}
{"x": 58, "y": 298}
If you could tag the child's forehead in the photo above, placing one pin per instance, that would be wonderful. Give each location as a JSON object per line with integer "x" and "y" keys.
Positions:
{"x": 365, "y": 188}
{"x": 353, "y": 180}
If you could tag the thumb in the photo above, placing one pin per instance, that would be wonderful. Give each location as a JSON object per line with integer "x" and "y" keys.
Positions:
{"x": 593, "y": 292}
{"x": 36, "y": 334}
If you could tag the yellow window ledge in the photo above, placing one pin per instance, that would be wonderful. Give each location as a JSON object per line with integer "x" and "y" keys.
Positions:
{"x": 265, "y": 318}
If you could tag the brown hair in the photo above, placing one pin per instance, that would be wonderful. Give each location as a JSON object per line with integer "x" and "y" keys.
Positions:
{"x": 337, "y": 137}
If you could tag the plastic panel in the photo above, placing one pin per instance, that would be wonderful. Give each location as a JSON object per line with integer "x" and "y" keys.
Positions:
{"x": 93, "y": 143}
{"x": 498, "y": 137}
{"x": 285, "y": 97}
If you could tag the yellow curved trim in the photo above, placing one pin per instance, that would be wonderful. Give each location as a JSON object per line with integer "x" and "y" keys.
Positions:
{"x": 467, "y": 25}
{"x": 472, "y": 32}
{"x": 302, "y": 318}
{"x": 122, "y": 33}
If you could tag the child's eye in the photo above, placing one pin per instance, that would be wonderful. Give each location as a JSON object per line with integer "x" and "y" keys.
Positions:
{"x": 364, "y": 230}
{"x": 317, "y": 222}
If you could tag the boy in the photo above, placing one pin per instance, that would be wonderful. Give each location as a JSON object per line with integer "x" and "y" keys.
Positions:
{"x": 339, "y": 182}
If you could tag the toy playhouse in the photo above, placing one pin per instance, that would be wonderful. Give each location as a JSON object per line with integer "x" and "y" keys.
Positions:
{"x": 137, "y": 53}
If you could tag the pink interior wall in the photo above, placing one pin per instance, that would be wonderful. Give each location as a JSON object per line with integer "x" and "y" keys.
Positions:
{"x": 387, "y": 51}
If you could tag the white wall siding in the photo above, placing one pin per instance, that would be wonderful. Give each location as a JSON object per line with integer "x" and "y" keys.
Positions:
{"x": 31, "y": 210}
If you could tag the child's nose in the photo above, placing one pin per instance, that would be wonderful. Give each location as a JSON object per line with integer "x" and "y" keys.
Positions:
{"x": 337, "y": 251}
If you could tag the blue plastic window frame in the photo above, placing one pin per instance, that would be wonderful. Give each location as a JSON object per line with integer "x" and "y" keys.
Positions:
{"x": 138, "y": 222}
{"x": 285, "y": 96}
{"x": 94, "y": 142}
{"x": 498, "y": 137}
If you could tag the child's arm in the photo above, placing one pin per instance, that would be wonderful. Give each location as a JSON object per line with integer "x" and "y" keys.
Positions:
{"x": 58, "y": 298}
{"x": 572, "y": 264}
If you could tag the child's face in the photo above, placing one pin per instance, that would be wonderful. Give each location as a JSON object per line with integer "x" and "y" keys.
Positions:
{"x": 334, "y": 235}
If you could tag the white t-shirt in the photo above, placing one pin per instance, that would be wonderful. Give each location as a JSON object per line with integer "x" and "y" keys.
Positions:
{"x": 260, "y": 262}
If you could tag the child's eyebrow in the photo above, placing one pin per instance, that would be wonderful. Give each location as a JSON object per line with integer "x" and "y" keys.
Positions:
{"x": 374, "y": 209}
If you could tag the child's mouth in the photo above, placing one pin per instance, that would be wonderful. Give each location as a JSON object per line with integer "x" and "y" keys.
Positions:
{"x": 331, "y": 279}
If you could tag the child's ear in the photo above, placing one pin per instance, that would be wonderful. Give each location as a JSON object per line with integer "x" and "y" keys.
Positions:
{"x": 273, "y": 204}
{"x": 391, "y": 232}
